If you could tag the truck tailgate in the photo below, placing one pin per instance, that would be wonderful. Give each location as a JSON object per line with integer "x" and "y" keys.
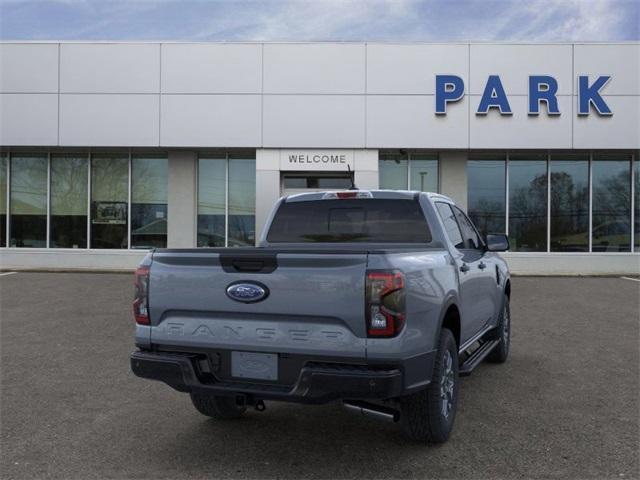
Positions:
{"x": 315, "y": 302}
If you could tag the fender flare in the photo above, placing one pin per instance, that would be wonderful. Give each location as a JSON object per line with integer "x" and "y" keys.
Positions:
{"x": 451, "y": 298}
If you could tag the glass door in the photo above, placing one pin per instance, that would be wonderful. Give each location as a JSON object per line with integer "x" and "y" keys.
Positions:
{"x": 292, "y": 183}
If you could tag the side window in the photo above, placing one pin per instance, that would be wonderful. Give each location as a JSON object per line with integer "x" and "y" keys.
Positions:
{"x": 450, "y": 224}
{"x": 471, "y": 237}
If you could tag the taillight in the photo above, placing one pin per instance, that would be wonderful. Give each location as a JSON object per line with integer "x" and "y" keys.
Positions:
{"x": 141, "y": 298}
{"x": 385, "y": 307}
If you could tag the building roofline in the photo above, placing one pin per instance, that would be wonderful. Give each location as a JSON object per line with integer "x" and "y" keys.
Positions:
{"x": 318, "y": 42}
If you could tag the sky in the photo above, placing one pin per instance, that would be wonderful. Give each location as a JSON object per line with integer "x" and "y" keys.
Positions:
{"x": 321, "y": 20}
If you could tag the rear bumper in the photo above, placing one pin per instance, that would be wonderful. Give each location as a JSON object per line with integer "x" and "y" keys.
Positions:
{"x": 317, "y": 382}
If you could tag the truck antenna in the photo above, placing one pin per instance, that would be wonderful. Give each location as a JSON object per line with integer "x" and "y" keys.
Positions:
{"x": 353, "y": 184}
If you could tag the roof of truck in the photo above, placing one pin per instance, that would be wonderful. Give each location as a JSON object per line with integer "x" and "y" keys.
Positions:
{"x": 388, "y": 194}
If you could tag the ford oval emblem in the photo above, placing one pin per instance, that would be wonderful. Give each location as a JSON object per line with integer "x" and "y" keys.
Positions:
{"x": 247, "y": 292}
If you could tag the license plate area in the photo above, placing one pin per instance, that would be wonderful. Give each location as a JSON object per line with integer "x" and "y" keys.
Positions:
{"x": 256, "y": 366}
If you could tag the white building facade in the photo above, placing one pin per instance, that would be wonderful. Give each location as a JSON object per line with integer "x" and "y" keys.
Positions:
{"x": 109, "y": 149}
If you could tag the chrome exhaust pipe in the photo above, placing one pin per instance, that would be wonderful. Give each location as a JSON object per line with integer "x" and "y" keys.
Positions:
{"x": 379, "y": 412}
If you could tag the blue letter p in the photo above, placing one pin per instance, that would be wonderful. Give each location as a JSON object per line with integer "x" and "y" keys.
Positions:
{"x": 449, "y": 88}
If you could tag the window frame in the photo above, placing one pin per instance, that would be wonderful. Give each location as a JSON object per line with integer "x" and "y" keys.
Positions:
{"x": 408, "y": 156}
{"x": 633, "y": 159}
{"x": 453, "y": 214}
{"x": 220, "y": 156}
{"x": 481, "y": 243}
{"x": 153, "y": 156}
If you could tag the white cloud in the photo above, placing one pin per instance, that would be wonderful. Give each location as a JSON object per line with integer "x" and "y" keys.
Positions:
{"x": 323, "y": 20}
{"x": 566, "y": 20}
{"x": 309, "y": 20}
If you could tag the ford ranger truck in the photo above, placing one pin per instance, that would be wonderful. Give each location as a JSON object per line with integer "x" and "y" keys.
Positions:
{"x": 378, "y": 299}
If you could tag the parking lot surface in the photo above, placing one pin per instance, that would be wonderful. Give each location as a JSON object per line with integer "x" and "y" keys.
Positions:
{"x": 565, "y": 405}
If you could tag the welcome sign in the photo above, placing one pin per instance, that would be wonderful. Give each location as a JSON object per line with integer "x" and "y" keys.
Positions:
{"x": 317, "y": 160}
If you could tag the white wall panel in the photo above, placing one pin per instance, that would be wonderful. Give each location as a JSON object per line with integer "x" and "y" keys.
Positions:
{"x": 620, "y": 130}
{"x": 514, "y": 64}
{"x": 28, "y": 68}
{"x": 109, "y": 68}
{"x": 217, "y": 68}
{"x": 314, "y": 68}
{"x": 28, "y": 119}
{"x": 322, "y": 121}
{"x": 411, "y": 69}
{"x": 397, "y": 121}
{"x": 210, "y": 120}
{"x": 521, "y": 130}
{"x": 620, "y": 61}
{"x": 109, "y": 120}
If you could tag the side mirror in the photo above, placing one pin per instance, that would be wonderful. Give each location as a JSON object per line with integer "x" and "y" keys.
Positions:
{"x": 497, "y": 243}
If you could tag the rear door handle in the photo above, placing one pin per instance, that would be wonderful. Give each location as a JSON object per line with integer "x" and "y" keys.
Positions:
{"x": 464, "y": 267}
{"x": 482, "y": 266}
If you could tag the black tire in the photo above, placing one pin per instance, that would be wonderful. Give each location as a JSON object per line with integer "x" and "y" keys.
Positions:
{"x": 502, "y": 332}
{"x": 220, "y": 408}
{"x": 423, "y": 413}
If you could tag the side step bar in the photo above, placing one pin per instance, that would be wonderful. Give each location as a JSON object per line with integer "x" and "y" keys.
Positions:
{"x": 477, "y": 357}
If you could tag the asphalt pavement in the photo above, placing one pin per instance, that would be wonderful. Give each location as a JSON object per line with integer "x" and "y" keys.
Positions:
{"x": 565, "y": 405}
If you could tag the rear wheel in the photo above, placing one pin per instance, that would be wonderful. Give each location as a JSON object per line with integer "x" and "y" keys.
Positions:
{"x": 220, "y": 408}
{"x": 427, "y": 415}
{"x": 503, "y": 333}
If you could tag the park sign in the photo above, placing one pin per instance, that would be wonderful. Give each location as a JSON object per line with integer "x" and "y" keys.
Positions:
{"x": 542, "y": 90}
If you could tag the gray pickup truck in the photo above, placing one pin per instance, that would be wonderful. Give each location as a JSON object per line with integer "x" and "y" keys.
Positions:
{"x": 379, "y": 299}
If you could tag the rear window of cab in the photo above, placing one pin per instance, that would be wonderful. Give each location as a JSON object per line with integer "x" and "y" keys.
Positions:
{"x": 368, "y": 220}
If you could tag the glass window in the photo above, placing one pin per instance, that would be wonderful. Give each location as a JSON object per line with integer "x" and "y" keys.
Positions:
{"x": 636, "y": 194}
{"x": 528, "y": 203}
{"x": 393, "y": 171}
{"x": 149, "y": 184}
{"x": 109, "y": 196}
{"x": 569, "y": 203}
{"x": 28, "y": 201}
{"x": 211, "y": 201}
{"x": 469, "y": 235}
{"x": 3, "y": 199}
{"x": 486, "y": 194}
{"x": 314, "y": 181}
{"x": 355, "y": 220}
{"x": 424, "y": 172}
{"x": 611, "y": 190}
{"x": 242, "y": 202}
{"x": 450, "y": 224}
{"x": 69, "y": 201}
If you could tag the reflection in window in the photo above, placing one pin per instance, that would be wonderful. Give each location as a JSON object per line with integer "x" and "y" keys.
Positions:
{"x": 396, "y": 168}
{"x": 242, "y": 202}
{"x": 4, "y": 162}
{"x": 450, "y": 224}
{"x": 393, "y": 171}
{"x": 149, "y": 184}
{"x": 528, "y": 203}
{"x": 569, "y": 203}
{"x": 469, "y": 235}
{"x": 28, "y": 201}
{"x": 611, "y": 186}
{"x": 486, "y": 194}
{"x": 69, "y": 201}
{"x": 109, "y": 194}
{"x": 328, "y": 182}
{"x": 211, "y": 201}
{"x": 636, "y": 194}
{"x": 424, "y": 172}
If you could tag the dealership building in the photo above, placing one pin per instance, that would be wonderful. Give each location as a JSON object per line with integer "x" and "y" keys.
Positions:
{"x": 109, "y": 149}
